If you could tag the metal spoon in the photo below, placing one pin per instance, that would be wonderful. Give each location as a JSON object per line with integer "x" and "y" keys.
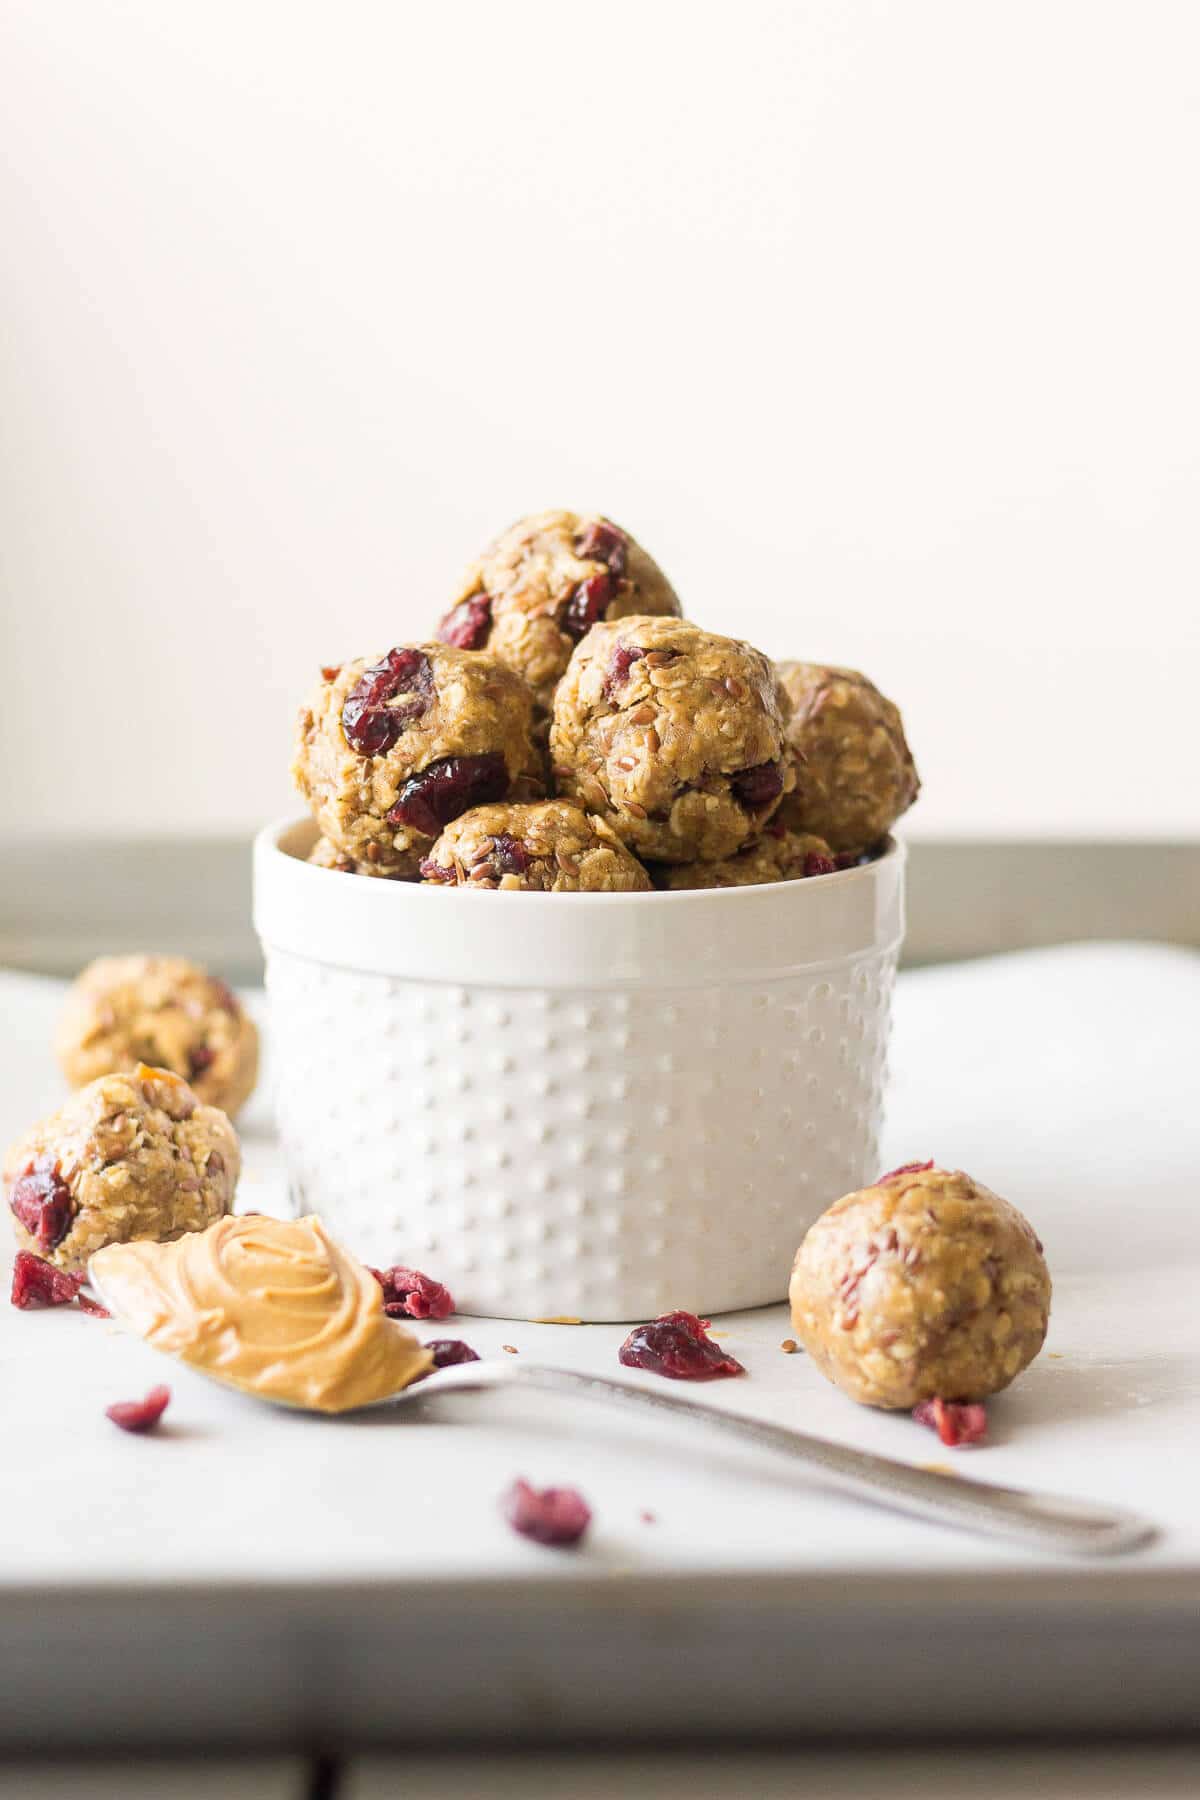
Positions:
{"x": 1044, "y": 1521}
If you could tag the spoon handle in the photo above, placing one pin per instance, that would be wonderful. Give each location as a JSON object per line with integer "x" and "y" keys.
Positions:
{"x": 1047, "y": 1521}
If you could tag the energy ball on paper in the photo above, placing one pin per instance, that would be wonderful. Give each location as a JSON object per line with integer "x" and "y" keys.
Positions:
{"x": 551, "y": 848}
{"x": 673, "y": 735}
{"x": 389, "y": 752}
{"x": 778, "y": 856}
{"x": 129, "y": 1156}
{"x": 161, "y": 1010}
{"x": 854, "y": 771}
{"x": 325, "y": 855}
{"x": 926, "y": 1285}
{"x": 541, "y": 586}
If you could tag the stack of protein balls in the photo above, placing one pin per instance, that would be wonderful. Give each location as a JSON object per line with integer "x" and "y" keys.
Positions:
{"x": 566, "y": 730}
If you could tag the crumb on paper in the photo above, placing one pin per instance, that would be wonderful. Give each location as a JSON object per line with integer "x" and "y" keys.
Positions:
{"x": 511, "y": 1348}
{"x": 647, "y": 1517}
{"x": 1055, "y": 1355}
{"x": 559, "y": 1319}
{"x": 789, "y": 1346}
{"x": 937, "y": 1468}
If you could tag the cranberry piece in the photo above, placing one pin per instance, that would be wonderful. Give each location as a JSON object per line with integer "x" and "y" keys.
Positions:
{"x": 448, "y": 1351}
{"x": 954, "y": 1421}
{"x": 38, "y": 1283}
{"x": 140, "y": 1415}
{"x": 330, "y": 671}
{"x": 556, "y": 1515}
{"x": 370, "y": 723}
{"x": 466, "y": 625}
{"x": 447, "y": 788}
{"x": 88, "y": 1305}
{"x": 586, "y": 604}
{"x": 41, "y": 1200}
{"x": 905, "y": 1169}
{"x": 509, "y": 855}
{"x": 407, "y": 1294}
{"x": 602, "y": 542}
{"x": 677, "y": 1345}
{"x": 199, "y": 1059}
{"x": 432, "y": 871}
{"x": 757, "y": 787}
{"x": 816, "y": 864}
{"x": 623, "y": 659}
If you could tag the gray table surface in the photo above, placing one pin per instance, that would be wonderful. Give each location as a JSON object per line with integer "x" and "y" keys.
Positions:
{"x": 1142, "y": 1772}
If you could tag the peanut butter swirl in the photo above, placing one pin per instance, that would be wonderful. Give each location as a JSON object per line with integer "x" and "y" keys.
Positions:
{"x": 271, "y": 1306}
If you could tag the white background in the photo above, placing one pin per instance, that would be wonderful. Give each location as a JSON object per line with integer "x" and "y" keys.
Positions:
{"x": 878, "y": 323}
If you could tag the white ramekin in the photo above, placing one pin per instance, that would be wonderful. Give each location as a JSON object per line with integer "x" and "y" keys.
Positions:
{"x": 593, "y": 1106}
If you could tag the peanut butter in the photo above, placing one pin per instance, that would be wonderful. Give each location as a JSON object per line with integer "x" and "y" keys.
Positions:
{"x": 271, "y": 1306}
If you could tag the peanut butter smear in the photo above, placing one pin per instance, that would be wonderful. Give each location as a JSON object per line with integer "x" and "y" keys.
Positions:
{"x": 271, "y": 1306}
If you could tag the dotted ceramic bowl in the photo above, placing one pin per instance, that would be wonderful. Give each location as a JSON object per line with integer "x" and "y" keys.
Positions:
{"x": 596, "y": 1106}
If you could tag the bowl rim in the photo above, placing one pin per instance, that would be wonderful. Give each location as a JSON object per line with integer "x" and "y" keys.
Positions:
{"x": 895, "y": 848}
{"x": 428, "y": 932}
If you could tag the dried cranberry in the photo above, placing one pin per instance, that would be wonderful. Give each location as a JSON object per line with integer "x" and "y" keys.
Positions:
{"x": 757, "y": 787}
{"x": 816, "y": 864}
{"x": 41, "y": 1200}
{"x": 602, "y": 542}
{"x": 509, "y": 855}
{"x": 199, "y": 1059}
{"x": 905, "y": 1169}
{"x": 407, "y": 1294}
{"x": 678, "y": 1345}
{"x": 466, "y": 625}
{"x": 623, "y": 659}
{"x": 140, "y": 1415}
{"x": 432, "y": 871}
{"x": 587, "y": 603}
{"x": 954, "y": 1421}
{"x": 553, "y": 1516}
{"x": 370, "y": 723}
{"x": 447, "y": 788}
{"x": 37, "y": 1283}
{"x": 448, "y": 1351}
{"x": 88, "y": 1305}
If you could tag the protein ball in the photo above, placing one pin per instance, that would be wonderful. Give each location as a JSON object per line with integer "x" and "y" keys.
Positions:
{"x": 164, "y": 1011}
{"x": 389, "y": 752}
{"x": 325, "y": 855}
{"x": 551, "y": 848}
{"x": 779, "y": 856}
{"x": 854, "y": 771}
{"x": 129, "y": 1156}
{"x": 925, "y": 1286}
{"x": 540, "y": 587}
{"x": 673, "y": 735}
